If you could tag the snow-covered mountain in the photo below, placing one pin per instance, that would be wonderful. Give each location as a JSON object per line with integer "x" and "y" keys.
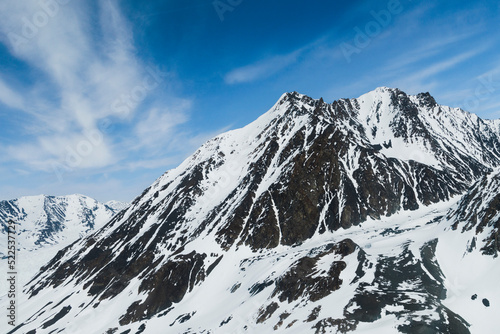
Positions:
{"x": 47, "y": 224}
{"x": 117, "y": 206}
{"x": 315, "y": 218}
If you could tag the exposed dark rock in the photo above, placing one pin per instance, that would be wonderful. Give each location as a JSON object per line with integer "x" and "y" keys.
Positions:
{"x": 166, "y": 286}
{"x": 283, "y": 317}
{"x": 330, "y": 325}
{"x": 314, "y": 314}
{"x": 213, "y": 265}
{"x": 225, "y": 322}
{"x": 183, "y": 318}
{"x": 258, "y": 287}
{"x": 426, "y": 100}
{"x": 267, "y": 312}
{"x": 370, "y": 301}
{"x": 302, "y": 278}
{"x": 142, "y": 328}
{"x": 65, "y": 310}
{"x": 235, "y": 287}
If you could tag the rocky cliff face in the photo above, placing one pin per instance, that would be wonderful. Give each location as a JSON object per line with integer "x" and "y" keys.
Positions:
{"x": 316, "y": 217}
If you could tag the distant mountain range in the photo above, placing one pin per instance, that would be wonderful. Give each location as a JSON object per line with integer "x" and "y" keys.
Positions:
{"x": 47, "y": 224}
{"x": 378, "y": 214}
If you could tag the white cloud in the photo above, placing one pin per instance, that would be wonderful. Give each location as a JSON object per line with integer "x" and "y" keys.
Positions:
{"x": 429, "y": 77}
{"x": 441, "y": 66}
{"x": 9, "y": 97}
{"x": 261, "y": 69}
{"x": 158, "y": 128}
{"x": 427, "y": 50}
{"x": 90, "y": 71}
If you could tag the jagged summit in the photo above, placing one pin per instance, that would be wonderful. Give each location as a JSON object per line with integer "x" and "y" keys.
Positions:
{"x": 385, "y": 96}
{"x": 307, "y": 220}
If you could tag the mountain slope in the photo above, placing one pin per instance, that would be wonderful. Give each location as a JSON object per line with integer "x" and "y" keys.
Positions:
{"x": 479, "y": 212}
{"x": 318, "y": 216}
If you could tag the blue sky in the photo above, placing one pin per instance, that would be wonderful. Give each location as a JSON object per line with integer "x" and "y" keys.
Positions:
{"x": 102, "y": 97}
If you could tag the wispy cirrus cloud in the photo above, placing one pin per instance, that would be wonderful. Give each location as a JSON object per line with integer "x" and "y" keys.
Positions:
{"x": 84, "y": 56}
{"x": 431, "y": 48}
{"x": 431, "y": 70}
{"x": 262, "y": 69}
{"x": 10, "y": 97}
{"x": 158, "y": 128}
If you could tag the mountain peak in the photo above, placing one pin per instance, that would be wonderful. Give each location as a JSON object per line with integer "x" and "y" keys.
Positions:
{"x": 388, "y": 91}
{"x": 385, "y": 89}
{"x": 295, "y": 97}
{"x": 382, "y": 92}
{"x": 426, "y": 100}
